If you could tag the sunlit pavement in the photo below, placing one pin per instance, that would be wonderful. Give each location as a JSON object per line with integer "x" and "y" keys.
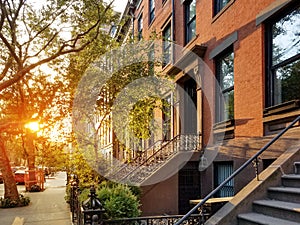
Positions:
{"x": 46, "y": 208}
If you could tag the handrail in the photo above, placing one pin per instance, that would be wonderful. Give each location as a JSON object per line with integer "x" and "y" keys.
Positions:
{"x": 249, "y": 161}
{"x": 135, "y": 158}
{"x": 150, "y": 157}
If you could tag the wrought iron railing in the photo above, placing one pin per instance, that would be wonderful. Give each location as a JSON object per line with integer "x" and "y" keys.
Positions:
{"x": 194, "y": 219}
{"x": 122, "y": 169}
{"x": 147, "y": 166}
{"x": 150, "y": 159}
{"x": 254, "y": 159}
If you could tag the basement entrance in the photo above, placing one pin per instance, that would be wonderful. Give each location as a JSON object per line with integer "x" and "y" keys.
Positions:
{"x": 189, "y": 186}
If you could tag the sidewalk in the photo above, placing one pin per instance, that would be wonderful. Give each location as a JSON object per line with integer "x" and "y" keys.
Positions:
{"x": 46, "y": 208}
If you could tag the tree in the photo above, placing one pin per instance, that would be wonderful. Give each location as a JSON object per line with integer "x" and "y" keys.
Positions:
{"x": 102, "y": 103}
{"x": 33, "y": 36}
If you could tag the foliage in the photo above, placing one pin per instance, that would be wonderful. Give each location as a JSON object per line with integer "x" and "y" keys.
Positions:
{"x": 52, "y": 154}
{"x": 119, "y": 201}
{"x": 35, "y": 188}
{"x": 36, "y": 42}
{"x": 8, "y": 203}
{"x": 79, "y": 166}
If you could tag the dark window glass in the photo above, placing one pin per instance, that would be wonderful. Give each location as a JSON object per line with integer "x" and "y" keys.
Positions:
{"x": 140, "y": 27}
{"x": 167, "y": 45}
{"x": 222, "y": 171}
{"x": 225, "y": 98}
{"x": 190, "y": 20}
{"x": 219, "y": 5}
{"x": 283, "y": 59}
{"x": 151, "y": 10}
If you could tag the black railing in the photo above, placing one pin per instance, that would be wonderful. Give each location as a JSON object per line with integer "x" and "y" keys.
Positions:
{"x": 194, "y": 219}
{"x": 249, "y": 161}
{"x": 115, "y": 172}
{"x": 152, "y": 158}
{"x": 146, "y": 167}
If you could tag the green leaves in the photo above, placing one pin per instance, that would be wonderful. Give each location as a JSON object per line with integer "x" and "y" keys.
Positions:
{"x": 118, "y": 201}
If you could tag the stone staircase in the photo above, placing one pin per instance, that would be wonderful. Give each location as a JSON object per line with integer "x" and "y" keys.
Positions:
{"x": 151, "y": 160}
{"x": 282, "y": 205}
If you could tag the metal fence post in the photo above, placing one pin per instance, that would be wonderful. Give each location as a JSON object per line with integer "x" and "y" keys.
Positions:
{"x": 92, "y": 209}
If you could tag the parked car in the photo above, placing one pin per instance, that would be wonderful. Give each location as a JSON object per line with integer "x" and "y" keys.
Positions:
{"x": 20, "y": 176}
{"x": 1, "y": 178}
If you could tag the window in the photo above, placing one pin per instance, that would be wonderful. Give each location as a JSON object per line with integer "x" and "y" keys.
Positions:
{"x": 140, "y": 27}
{"x": 225, "y": 77}
{"x": 222, "y": 171}
{"x": 167, "y": 45}
{"x": 166, "y": 116}
{"x": 283, "y": 59}
{"x": 190, "y": 20}
{"x": 151, "y": 59}
{"x": 219, "y": 5}
{"x": 151, "y": 10}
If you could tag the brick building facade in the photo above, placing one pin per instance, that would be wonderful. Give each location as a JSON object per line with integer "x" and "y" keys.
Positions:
{"x": 252, "y": 49}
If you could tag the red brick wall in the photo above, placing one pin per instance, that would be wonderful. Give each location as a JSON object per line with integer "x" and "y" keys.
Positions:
{"x": 161, "y": 198}
{"x": 248, "y": 49}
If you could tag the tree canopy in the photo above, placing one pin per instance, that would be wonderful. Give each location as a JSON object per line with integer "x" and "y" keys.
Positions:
{"x": 39, "y": 42}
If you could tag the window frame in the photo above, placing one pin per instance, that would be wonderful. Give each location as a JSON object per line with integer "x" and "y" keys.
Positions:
{"x": 218, "y": 7}
{"x": 270, "y": 69}
{"x": 220, "y": 103}
{"x": 151, "y": 11}
{"x": 151, "y": 58}
{"x": 140, "y": 26}
{"x": 189, "y": 21}
{"x": 167, "y": 45}
{"x": 218, "y": 178}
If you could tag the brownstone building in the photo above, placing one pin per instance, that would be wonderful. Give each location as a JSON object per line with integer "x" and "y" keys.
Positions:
{"x": 253, "y": 50}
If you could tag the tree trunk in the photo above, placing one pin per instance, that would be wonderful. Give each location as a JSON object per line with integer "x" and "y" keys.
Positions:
{"x": 30, "y": 159}
{"x": 10, "y": 186}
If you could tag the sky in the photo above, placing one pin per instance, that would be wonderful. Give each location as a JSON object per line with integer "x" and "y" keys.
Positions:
{"x": 119, "y": 5}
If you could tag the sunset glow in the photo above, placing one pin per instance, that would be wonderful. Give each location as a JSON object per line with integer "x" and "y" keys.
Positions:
{"x": 33, "y": 126}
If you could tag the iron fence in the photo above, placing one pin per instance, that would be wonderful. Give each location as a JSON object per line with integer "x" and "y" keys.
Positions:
{"x": 91, "y": 212}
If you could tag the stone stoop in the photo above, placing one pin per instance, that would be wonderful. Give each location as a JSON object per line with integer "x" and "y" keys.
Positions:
{"x": 282, "y": 206}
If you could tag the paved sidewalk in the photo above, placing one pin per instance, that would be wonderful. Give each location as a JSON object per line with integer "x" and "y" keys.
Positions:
{"x": 46, "y": 208}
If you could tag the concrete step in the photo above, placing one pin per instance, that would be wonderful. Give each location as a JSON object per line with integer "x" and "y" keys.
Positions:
{"x": 290, "y": 194}
{"x": 283, "y": 210}
{"x": 291, "y": 180}
{"x": 260, "y": 219}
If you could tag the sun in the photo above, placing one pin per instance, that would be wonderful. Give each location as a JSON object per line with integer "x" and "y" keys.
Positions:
{"x": 33, "y": 126}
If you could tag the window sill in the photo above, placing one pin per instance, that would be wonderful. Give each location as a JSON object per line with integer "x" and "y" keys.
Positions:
{"x": 187, "y": 45}
{"x": 224, "y": 130}
{"x": 150, "y": 23}
{"x": 224, "y": 124}
{"x": 164, "y": 3}
{"x": 167, "y": 67}
{"x": 278, "y": 117}
{"x": 215, "y": 17}
{"x": 282, "y": 108}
